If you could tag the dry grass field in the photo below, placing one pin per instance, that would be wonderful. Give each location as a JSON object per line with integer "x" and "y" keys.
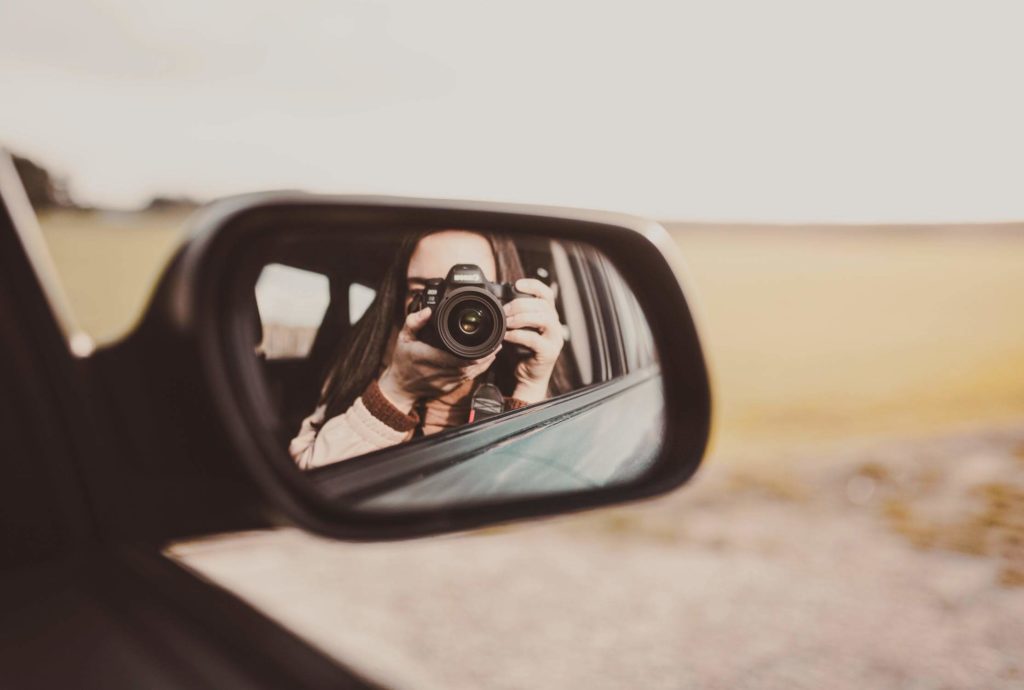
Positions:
{"x": 838, "y": 332}
{"x": 110, "y": 262}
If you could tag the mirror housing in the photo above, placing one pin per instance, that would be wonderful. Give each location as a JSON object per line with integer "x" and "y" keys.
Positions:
{"x": 200, "y": 295}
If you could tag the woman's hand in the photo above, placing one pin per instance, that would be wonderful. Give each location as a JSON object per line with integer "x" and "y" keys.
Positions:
{"x": 418, "y": 371}
{"x": 533, "y": 323}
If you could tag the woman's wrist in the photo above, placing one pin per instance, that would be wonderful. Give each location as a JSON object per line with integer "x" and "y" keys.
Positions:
{"x": 383, "y": 410}
{"x": 394, "y": 393}
{"x": 530, "y": 392}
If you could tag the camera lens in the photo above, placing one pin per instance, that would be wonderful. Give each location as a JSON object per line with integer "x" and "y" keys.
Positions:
{"x": 469, "y": 321}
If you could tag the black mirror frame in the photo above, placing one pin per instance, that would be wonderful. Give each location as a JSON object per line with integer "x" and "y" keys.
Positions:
{"x": 200, "y": 300}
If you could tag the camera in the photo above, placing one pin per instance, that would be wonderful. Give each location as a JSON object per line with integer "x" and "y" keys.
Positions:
{"x": 466, "y": 316}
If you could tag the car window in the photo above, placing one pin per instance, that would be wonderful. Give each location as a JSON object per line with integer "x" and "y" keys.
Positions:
{"x": 634, "y": 331}
{"x": 574, "y": 313}
{"x": 359, "y": 299}
{"x": 292, "y": 303}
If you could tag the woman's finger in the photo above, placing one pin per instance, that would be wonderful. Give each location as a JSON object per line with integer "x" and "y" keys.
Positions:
{"x": 527, "y": 338}
{"x": 526, "y": 304}
{"x": 416, "y": 320}
{"x": 430, "y": 356}
{"x": 474, "y": 370}
{"x": 483, "y": 361}
{"x": 541, "y": 320}
{"x": 536, "y": 288}
{"x": 488, "y": 358}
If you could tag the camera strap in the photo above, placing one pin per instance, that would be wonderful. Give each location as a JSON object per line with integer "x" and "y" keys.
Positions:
{"x": 487, "y": 402}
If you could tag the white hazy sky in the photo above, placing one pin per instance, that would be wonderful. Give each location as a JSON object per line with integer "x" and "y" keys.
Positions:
{"x": 761, "y": 110}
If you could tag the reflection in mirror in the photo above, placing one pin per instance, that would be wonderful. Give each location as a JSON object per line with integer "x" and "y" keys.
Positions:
{"x": 440, "y": 367}
{"x": 291, "y": 303}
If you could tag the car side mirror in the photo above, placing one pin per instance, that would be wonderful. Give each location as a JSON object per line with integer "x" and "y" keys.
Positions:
{"x": 386, "y": 368}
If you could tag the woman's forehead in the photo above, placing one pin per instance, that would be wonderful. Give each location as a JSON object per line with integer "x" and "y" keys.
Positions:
{"x": 436, "y": 253}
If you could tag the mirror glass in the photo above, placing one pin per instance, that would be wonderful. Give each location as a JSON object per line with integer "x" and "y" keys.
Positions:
{"x": 420, "y": 368}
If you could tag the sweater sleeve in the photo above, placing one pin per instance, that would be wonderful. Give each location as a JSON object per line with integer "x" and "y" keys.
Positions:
{"x": 371, "y": 423}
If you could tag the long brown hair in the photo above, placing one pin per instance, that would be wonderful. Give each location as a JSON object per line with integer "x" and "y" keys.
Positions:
{"x": 361, "y": 355}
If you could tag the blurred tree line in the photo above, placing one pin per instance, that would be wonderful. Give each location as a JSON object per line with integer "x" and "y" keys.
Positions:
{"x": 164, "y": 203}
{"x": 47, "y": 191}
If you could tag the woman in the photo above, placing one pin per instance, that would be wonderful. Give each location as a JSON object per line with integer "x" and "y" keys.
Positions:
{"x": 387, "y": 385}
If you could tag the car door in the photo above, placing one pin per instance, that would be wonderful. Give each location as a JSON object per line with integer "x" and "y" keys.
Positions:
{"x": 81, "y": 606}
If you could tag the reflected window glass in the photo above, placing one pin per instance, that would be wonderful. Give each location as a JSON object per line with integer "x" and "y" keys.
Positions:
{"x": 292, "y": 303}
{"x": 360, "y": 298}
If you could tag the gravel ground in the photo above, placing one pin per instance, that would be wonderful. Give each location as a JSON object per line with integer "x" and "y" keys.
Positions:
{"x": 885, "y": 565}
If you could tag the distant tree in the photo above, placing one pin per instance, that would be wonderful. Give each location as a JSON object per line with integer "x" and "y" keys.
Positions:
{"x": 164, "y": 203}
{"x": 44, "y": 189}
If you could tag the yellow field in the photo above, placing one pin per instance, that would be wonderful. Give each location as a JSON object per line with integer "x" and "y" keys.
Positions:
{"x": 110, "y": 263}
{"x": 814, "y": 335}
{"x": 828, "y": 334}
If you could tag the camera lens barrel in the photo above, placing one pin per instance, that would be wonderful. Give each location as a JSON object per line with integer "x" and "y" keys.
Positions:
{"x": 470, "y": 322}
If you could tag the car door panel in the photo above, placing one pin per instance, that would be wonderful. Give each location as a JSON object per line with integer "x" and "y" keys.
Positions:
{"x": 571, "y": 452}
{"x": 86, "y": 598}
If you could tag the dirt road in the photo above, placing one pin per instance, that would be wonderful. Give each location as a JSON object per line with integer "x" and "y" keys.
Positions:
{"x": 891, "y": 565}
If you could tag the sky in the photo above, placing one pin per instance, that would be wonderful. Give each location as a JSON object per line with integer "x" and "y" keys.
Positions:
{"x": 859, "y": 111}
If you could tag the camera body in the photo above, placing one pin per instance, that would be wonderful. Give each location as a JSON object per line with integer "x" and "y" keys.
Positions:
{"x": 466, "y": 316}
